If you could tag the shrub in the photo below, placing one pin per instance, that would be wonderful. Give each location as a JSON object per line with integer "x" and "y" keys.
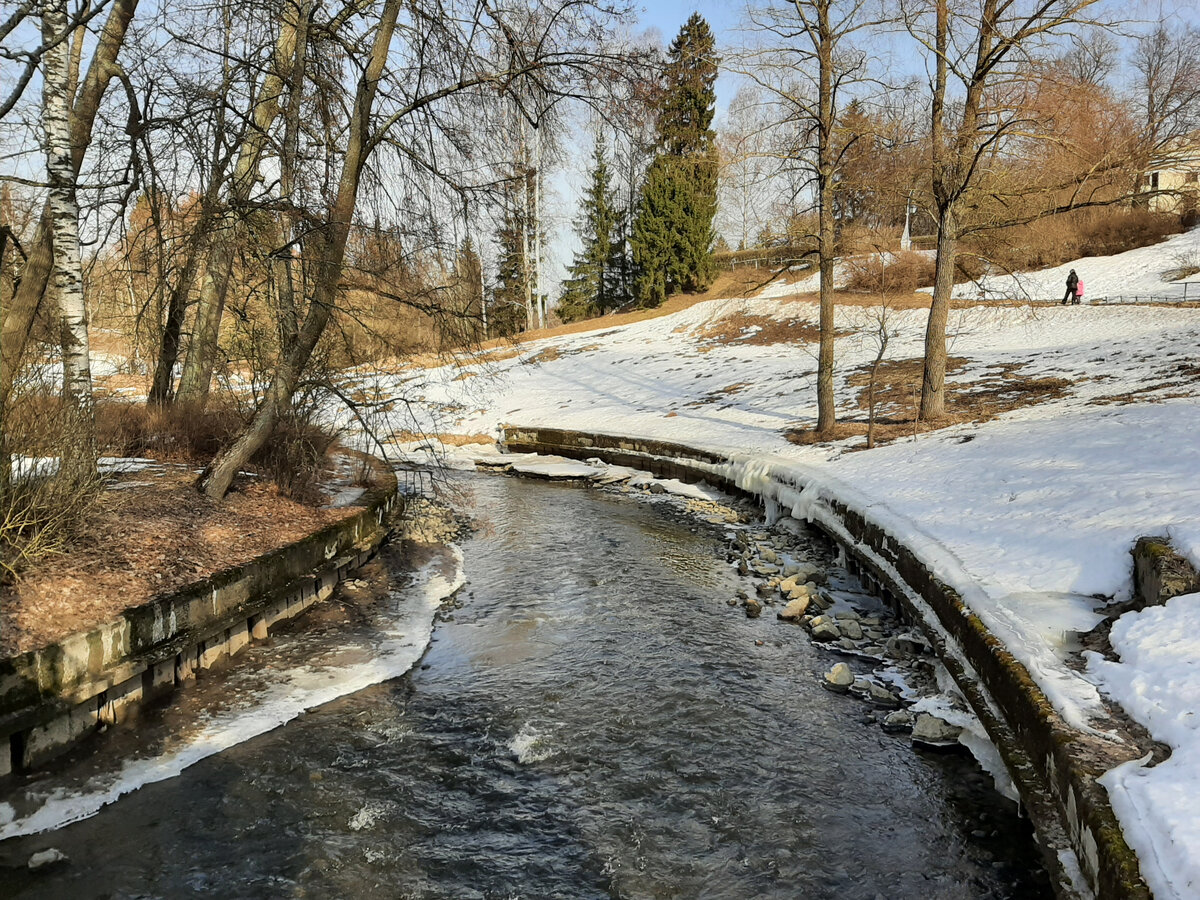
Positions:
{"x": 888, "y": 273}
{"x": 293, "y": 457}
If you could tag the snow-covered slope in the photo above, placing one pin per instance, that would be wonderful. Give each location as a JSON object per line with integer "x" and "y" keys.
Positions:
{"x": 1147, "y": 273}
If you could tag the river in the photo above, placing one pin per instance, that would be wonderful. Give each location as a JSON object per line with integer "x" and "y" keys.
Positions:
{"x": 591, "y": 720}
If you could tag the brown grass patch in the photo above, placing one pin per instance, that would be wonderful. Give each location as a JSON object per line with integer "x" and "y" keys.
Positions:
{"x": 898, "y": 275}
{"x": 450, "y": 440}
{"x": 898, "y": 399}
{"x": 739, "y": 283}
{"x": 546, "y": 354}
{"x": 153, "y": 537}
{"x": 759, "y": 331}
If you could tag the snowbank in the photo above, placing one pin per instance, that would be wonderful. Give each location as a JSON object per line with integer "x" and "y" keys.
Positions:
{"x": 1158, "y": 683}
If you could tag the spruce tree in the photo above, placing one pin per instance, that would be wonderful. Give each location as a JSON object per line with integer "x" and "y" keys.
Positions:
{"x": 672, "y": 234}
{"x": 507, "y": 314}
{"x": 593, "y": 282}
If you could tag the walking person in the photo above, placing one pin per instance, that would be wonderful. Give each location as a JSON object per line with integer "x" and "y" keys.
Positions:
{"x": 1072, "y": 286}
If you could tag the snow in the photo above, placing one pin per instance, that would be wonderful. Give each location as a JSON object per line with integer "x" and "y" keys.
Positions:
{"x": 1158, "y": 683}
{"x": 1145, "y": 272}
{"x": 556, "y": 467}
{"x": 1029, "y": 513}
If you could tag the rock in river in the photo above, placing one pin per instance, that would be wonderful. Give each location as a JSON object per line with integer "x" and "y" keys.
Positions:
{"x": 794, "y": 610}
{"x": 825, "y": 629}
{"x": 839, "y": 678}
{"x": 938, "y": 734}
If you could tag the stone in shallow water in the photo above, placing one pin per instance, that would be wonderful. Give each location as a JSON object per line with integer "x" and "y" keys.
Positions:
{"x": 824, "y": 629}
{"x": 899, "y": 722}
{"x": 881, "y": 696}
{"x": 930, "y": 731}
{"x": 839, "y": 678}
{"x": 753, "y": 609}
{"x": 49, "y": 857}
{"x": 851, "y": 629}
{"x": 794, "y": 610}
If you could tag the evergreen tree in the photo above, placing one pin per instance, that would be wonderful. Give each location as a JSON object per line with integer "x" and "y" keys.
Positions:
{"x": 593, "y": 285}
{"x": 506, "y": 312}
{"x": 672, "y": 234}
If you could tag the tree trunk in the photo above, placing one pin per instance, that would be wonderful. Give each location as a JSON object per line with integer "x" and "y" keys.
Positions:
{"x": 202, "y": 351}
{"x": 168, "y": 349}
{"x": 20, "y": 314}
{"x": 284, "y": 264}
{"x": 79, "y": 454}
{"x": 219, "y": 475}
{"x": 933, "y": 384}
{"x": 826, "y": 414}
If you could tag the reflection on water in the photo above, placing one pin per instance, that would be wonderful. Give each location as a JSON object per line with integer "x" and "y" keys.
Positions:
{"x": 591, "y": 721}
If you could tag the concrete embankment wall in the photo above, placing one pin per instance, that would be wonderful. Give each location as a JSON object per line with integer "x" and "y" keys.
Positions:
{"x": 1054, "y": 766}
{"x": 55, "y": 697}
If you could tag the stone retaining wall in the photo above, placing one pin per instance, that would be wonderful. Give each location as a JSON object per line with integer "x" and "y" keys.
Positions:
{"x": 56, "y": 696}
{"x": 1054, "y": 766}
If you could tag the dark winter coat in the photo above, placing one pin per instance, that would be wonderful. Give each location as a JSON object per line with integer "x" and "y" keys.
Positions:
{"x": 1072, "y": 280}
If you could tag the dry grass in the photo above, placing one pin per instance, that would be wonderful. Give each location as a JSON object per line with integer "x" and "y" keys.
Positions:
{"x": 899, "y": 275}
{"x": 154, "y": 536}
{"x": 450, "y": 440}
{"x": 1182, "y": 379}
{"x": 738, "y": 283}
{"x": 898, "y": 398}
{"x": 753, "y": 330}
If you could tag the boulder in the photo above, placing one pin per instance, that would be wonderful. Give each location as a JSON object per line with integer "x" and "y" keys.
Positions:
{"x": 788, "y": 584}
{"x": 51, "y": 856}
{"x": 850, "y": 628}
{"x": 911, "y": 643}
{"x": 839, "y": 678}
{"x": 825, "y": 629}
{"x": 794, "y": 610}
{"x": 753, "y": 609}
{"x": 882, "y": 697}
{"x": 899, "y": 722}
{"x": 930, "y": 731}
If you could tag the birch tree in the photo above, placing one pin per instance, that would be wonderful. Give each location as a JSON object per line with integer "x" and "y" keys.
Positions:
{"x": 35, "y": 274}
{"x": 64, "y": 222}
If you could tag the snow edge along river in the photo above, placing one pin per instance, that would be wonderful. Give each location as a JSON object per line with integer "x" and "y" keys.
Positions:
{"x": 1063, "y": 759}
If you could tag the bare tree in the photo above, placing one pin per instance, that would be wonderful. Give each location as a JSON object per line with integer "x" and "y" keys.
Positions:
{"x": 982, "y": 50}
{"x": 808, "y": 62}
{"x": 1167, "y": 63}
{"x": 218, "y": 267}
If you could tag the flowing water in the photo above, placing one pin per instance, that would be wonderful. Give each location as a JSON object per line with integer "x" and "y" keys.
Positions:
{"x": 591, "y": 720}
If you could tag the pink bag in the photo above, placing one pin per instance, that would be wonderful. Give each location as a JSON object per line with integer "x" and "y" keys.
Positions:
{"x": 1079, "y": 289}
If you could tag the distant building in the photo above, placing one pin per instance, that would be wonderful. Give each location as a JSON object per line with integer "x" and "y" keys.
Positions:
{"x": 1179, "y": 180}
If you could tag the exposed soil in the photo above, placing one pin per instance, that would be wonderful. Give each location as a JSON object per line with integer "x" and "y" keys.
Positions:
{"x": 151, "y": 534}
{"x": 450, "y": 440}
{"x": 898, "y": 398}
{"x": 760, "y": 331}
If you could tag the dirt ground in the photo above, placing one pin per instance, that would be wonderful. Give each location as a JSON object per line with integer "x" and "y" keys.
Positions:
{"x": 150, "y": 534}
